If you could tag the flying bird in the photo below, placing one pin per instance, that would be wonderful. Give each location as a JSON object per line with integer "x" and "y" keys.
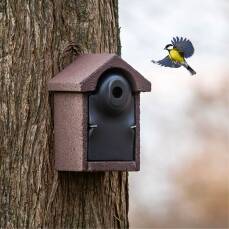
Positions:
{"x": 179, "y": 49}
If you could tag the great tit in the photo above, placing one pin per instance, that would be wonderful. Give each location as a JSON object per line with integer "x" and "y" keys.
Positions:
{"x": 180, "y": 49}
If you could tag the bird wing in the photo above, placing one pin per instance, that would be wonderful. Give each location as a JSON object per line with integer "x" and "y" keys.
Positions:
{"x": 167, "y": 62}
{"x": 183, "y": 45}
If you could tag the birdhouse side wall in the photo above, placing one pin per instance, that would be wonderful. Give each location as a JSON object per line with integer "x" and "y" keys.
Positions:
{"x": 70, "y": 131}
{"x": 137, "y": 136}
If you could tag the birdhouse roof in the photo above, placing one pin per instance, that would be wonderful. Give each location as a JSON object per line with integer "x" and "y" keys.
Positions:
{"x": 83, "y": 74}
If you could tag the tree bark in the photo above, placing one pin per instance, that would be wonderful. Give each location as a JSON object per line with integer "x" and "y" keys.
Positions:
{"x": 38, "y": 38}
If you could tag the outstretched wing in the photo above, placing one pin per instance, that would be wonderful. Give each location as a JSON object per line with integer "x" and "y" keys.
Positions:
{"x": 167, "y": 62}
{"x": 184, "y": 45}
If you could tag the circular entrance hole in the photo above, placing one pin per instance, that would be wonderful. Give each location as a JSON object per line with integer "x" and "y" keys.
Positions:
{"x": 117, "y": 92}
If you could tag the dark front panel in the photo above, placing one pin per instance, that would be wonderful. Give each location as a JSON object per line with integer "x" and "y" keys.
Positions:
{"x": 111, "y": 128}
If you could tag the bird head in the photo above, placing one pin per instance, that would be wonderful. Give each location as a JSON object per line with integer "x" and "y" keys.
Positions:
{"x": 168, "y": 47}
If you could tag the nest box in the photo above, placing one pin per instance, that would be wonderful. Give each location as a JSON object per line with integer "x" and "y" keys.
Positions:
{"x": 97, "y": 114}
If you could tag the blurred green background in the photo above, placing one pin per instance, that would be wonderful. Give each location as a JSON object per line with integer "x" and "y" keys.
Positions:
{"x": 184, "y": 177}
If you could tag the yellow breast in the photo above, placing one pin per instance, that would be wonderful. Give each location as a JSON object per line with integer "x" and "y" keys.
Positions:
{"x": 176, "y": 56}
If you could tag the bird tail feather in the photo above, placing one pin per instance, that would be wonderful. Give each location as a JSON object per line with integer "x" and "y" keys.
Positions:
{"x": 192, "y": 71}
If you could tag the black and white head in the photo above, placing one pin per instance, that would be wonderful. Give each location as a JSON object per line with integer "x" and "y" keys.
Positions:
{"x": 168, "y": 47}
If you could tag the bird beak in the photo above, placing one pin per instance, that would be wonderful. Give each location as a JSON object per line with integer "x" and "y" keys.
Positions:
{"x": 165, "y": 49}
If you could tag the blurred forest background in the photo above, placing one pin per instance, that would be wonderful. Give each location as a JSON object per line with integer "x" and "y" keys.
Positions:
{"x": 184, "y": 177}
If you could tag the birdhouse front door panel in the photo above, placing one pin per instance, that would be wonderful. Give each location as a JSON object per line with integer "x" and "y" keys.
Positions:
{"x": 111, "y": 135}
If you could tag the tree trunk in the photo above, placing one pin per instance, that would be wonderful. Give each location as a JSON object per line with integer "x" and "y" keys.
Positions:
{"x": 38, "y": 39}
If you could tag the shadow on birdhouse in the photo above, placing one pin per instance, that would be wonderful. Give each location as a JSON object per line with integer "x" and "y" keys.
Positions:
{"x": 97, "y": 114}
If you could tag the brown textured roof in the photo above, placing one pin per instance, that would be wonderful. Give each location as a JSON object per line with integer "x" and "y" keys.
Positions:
{"x": 83, "y": 74}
